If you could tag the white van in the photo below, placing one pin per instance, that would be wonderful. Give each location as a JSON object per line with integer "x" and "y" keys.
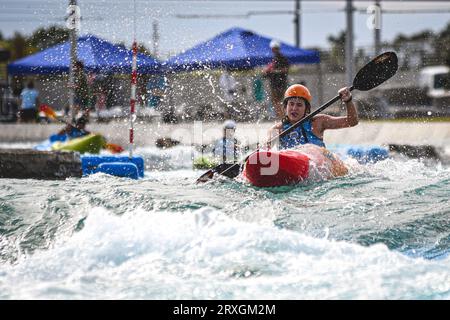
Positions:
{"x": 434, "y": 78}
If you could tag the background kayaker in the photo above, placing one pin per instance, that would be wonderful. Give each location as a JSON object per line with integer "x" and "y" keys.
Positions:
{"x": 297, "y": 105}
{"x": 78, "y": 129}
{"x": 227, "y": 148}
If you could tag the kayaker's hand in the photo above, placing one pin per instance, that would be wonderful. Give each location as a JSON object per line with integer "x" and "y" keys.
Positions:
{"x": 346, "y": 95}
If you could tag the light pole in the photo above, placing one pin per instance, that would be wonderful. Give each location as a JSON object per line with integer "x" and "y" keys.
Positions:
{"x": 349, "y": 42}
{"x": 297, "y": 24}
{"x": 377, "y": 29}
{"x": 73, "y": 24}
{"x": 155, "y": 38}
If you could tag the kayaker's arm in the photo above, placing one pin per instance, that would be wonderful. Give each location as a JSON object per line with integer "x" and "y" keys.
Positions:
{"x": 351, "y": 120}
{"x": 352, "y": 114}
{"x": 64, "y": 130}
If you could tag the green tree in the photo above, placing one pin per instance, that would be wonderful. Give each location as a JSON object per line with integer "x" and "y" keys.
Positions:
{"x": 442, "y": 46}
{"x": 143, "y": 49}
{"x": 417, "y": 45}
{"x": 402, "y": 40}
{"x": 337, "y": 53}
{"x": 18, "y": 46}
{"x": 47, "y": 37}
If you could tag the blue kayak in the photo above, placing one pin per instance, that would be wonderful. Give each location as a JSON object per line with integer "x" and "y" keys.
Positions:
{"x": 362, "y": 153}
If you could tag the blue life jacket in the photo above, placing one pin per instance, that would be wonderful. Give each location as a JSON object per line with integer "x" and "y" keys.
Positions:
{"x": 58, "y": 137}
{"x": 301, "y": 135}
{"x": 76, "y": 133}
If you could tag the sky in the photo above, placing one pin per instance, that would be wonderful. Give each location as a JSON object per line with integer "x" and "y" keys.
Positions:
{"x": 121, "y": 21}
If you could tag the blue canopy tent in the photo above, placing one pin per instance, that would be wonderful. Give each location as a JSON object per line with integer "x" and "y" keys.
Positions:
{"x": 98, "y": 56}
{"x": 236, "y": 49}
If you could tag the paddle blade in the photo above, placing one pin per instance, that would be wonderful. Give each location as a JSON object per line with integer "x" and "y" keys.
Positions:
{"x": 208, "y": 175}
{"x": 376, "y": 71}
{"x": 226, "y": 169}
{"x": 229, "y": 170}
{"x": 48, "y": 111}
{"x": 114, "y": 148}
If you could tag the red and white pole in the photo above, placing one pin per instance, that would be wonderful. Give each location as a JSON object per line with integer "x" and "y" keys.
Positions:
{"x": 133, "y": 95}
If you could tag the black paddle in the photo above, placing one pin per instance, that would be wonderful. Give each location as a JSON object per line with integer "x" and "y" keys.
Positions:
{"x": 370, "y": 76}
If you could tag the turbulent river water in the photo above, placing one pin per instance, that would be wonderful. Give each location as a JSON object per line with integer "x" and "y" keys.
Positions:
{"x": 382, "y": 232}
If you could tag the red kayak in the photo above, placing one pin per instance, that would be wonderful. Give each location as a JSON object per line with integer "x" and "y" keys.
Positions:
{"x": 280, "y": 168}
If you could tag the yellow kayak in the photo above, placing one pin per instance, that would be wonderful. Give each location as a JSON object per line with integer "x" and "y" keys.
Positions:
{"x": 91, "y": 143}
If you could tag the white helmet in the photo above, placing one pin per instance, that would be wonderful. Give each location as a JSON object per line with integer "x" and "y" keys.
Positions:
{"x": 229, "y": 124}
{"x": 274, "y": 44}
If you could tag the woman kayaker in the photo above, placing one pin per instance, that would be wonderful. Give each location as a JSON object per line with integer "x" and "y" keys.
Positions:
{"x": 297, "y": 105}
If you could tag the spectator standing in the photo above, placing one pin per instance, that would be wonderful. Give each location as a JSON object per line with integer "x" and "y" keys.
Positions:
{"x": 29, "y": 101}
{"x": 81, "y": 90}
{"x": 277, "y": 73}
{"x": 156, "y": 88}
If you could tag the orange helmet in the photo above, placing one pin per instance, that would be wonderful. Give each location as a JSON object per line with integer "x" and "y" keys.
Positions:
{"x": 297, "y": 90}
